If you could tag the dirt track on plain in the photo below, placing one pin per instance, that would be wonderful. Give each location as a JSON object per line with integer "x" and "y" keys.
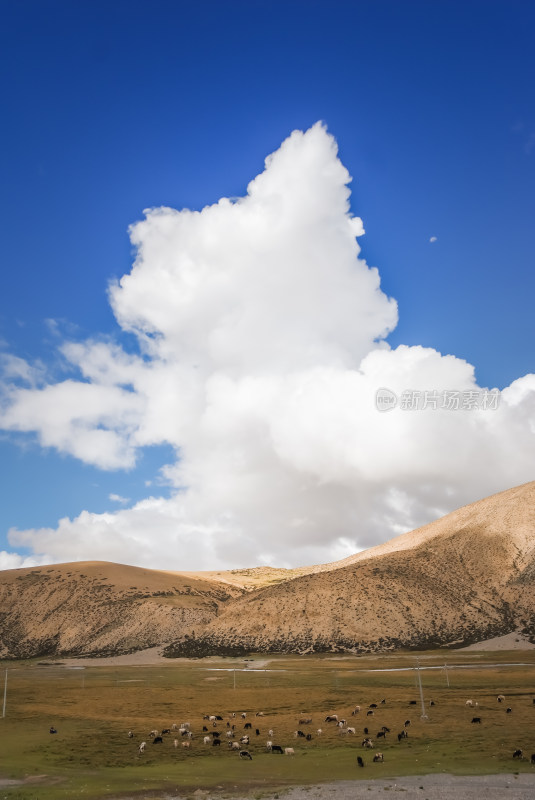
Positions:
{"x": 427, "y": 787}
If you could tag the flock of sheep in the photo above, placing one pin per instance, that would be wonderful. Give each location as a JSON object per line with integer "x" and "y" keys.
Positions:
{"x": 212, "y": 737}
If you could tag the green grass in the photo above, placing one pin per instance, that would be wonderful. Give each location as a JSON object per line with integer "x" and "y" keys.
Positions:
{"x": 93, "y": 709}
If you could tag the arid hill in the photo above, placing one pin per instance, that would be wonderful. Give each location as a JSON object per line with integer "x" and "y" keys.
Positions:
{"x": 463, "y": 578}
{"x": 100, "y": 608}
{"x": 466, "y": 577}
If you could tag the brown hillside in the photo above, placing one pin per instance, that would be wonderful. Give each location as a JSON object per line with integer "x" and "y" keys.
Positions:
{"x": 467, "y": 576}
{"x": 463, "y": 578}
{"x": 100, "y": 608}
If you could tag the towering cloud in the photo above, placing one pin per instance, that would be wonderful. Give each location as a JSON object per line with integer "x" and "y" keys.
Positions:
{"x": 261, "y": 348}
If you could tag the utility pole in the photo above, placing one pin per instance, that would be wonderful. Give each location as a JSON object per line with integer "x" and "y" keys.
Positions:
{"x": 447, "y": 676}
{"x": 5, "y": 696}
{"x": 234, "y": 677}
{"x": 424, "y": 715}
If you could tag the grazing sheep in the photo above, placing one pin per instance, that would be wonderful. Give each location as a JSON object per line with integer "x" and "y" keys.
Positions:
{"x": 309, "y": 737}
{"x": 360, "y": 762}
{"x": 518, "y": 754}
{"x": 130, "y": 734}
{"x": 175, "y": 742}
{"x": 476, "y": 720}
{"x": 378, "y": 757}
{"x": 157, "y": 740}
{"x": 142, "y": 746}
{"x": 355, "y": 711}
{"x": 509, "y": 711}
{"x": 369, "y": 713}
{"x": 305, "y": 720}
{"x": 229, "y": 734}
{"x": 319, "y": 732}
{"x": 469, "y": 703}
{"x": 500, "y": 698}
{"x": 276, "y": 748}
{"x": 367, "y": 743}
{"x": 351, "y": 730}
{"x": 187, "y": 745}
{"x": 269, "y": 745}
{"x": 289, "y": 751}
{"x": 407, "y": 723}
{"x": 235, "y": 745}
{"x": 246, "y": 754}
{"x": 216, "y": 742}
{"x": 270, "y": 733}
{"x": 207, "y": 740}
{"x": 331, "y": 718}
{"x": 532, "y": 760}
{"x": 403, "y": 735}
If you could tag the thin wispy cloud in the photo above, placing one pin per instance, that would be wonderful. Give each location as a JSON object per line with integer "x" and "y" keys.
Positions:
{"x": 262, "y": 338}
{"x": 117, "y": 498}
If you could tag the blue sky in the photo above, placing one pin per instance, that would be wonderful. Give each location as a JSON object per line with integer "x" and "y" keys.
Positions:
{"x": 112, "y": 108}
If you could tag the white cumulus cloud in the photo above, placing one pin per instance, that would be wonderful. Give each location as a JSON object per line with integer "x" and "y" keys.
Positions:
{"x": 262, "y": 337}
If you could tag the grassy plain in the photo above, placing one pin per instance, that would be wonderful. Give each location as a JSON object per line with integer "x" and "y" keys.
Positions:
{"x": 93, "y": 708}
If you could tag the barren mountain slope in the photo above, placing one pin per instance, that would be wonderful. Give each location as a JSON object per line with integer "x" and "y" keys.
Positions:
{"x": 467, "y": 576}
{"x": 99, "y": 607}
{"x": 254, "y": 577}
